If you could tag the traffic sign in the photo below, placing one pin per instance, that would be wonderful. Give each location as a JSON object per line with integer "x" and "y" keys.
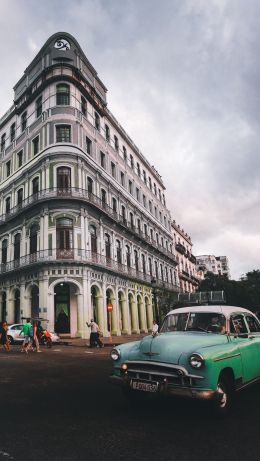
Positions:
{"x": 110, "y": 307}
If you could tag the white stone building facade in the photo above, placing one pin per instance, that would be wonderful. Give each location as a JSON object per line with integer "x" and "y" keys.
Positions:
{"x": 83, "y": 217}
{"x": 189, "y": 281}
{"x": 218, "y": 265}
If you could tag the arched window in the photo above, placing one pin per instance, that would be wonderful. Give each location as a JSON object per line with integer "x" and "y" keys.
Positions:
{"x": 4, "y": 251}
{"x": 35, "y": 185}
{"x": 114, "y": 204}
{"x": 103, "y": 197}
{"x": 150, "y": 266}
{"x": 20, "y": 197}
{"x": 33, "y": 239}
{"x": 90, "y": 185}
{"x": 17, "y": 248}
{"x": 128, "y": 256}
{"x": 8, "y": 205}
{"x": 3, "y": 316}
{"x": 93, "y": 238}
{"x": 63, "y": 178}
{"x": 108, "y": 246}
{"x": 118, "y": 252}
{"x": 63, "y": 94}
{"x": 136, "y": 259}
{"x": 143, "y": 264}
{"x": 156, "y": 269}
{"x": 83, "y": 106}
{"x": 161, "y": 270}
{"x": 131, "y": 220}
{"x": 64, "y": 238}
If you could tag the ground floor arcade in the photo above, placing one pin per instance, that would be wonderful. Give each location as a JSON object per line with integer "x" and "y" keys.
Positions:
{"x": 69, "y": 297}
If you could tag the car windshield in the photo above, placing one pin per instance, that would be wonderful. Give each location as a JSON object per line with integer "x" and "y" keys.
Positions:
{"x": 209, "y": 322}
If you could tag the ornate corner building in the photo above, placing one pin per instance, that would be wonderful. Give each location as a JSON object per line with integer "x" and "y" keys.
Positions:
{"x": 189, "y": 281}
{"x": 83, "y": 218}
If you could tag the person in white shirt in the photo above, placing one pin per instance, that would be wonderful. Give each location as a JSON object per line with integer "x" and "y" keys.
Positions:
{"x": 155, "y": 329}
{"x": 94, "y": 334}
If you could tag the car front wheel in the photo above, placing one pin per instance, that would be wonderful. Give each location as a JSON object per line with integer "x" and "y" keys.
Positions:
{"x": 10, "y": 339}
{"x": 223, "y": 400}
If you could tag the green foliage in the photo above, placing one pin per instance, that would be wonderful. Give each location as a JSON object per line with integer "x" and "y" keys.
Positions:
{"x": 243, "y": 293}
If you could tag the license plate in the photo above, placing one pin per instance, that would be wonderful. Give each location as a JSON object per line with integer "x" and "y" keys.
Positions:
{"x": 144, "y": 386}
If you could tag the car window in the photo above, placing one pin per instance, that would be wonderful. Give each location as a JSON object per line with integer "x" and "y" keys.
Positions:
{"x": 237, "y": 324}
{"x": 252, "y": 323}
{"x": 17, "y": 327}
{"x": 175, "y": 322}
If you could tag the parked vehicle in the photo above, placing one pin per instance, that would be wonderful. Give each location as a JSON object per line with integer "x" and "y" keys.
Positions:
{"x": 205, "y": 352}
{"x": 14, "y": 336}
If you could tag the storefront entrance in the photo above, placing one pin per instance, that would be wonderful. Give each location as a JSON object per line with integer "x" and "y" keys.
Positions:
{"x": 62, "y": 308}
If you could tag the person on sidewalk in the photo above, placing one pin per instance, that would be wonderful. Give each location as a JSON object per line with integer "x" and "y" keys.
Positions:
{"x": 94, "y": 334}
{"x": 155, "y": 328}
{"x": 26, "y": 329}
{"x": 3, "y": 337}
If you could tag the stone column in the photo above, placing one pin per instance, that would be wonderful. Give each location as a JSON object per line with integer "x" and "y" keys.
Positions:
{"x": 141, "y": 315}
{"x": 80, "y": 315}
{"x": 149, "y": 315}
{"x": 125, "y": 328}
{"x": 9, "y": 306}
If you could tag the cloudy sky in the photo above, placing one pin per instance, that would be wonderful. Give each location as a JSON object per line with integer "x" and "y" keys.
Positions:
{"x": 182, "y": 78}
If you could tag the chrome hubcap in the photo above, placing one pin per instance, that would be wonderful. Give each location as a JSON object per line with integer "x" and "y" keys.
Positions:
{"x": 223, "y": 396}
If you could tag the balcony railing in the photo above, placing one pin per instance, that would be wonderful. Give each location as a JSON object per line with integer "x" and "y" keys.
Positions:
{"x": 83, "y": 194}
{"x": 82, "y": 257}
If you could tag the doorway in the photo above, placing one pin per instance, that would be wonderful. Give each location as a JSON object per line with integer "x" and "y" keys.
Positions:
{"x": 62, "y": 308}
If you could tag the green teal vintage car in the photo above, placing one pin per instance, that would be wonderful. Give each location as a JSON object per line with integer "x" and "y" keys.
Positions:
{"x": 204, "y": 352}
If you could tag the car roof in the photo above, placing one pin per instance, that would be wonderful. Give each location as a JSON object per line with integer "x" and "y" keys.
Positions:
{"x": 220, "y": 309}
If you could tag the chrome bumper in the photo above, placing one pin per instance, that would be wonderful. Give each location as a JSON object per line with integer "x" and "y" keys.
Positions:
{"x": 166, "y": 389}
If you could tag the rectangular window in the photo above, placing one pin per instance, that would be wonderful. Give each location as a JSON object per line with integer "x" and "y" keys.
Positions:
{"x": 3, "y": 137}
{"x": 150, "y": 183}
{"x": 35, "y": 145}
{"x": 150, "y": 206}
{"x": 89, "y": 145}
{"x": 116, "y": 143}
{"x": 102, "y": 159}
{"x": 113, "y": 169}
{"x": 20, "y": 158}
{"x": 63, "y": 133}
{"x": 137, "y": 193}
{"x": 122, "y": 177}
{"x": 12, "y": 132}
{"x": 39, "y": 107}
{"x": 8, "y": 168}
{"x": 138, "y": 169}
{"x": 144, "y": 177}
{"x": 130, "y": 187}
{"x": 107, "y": 133}
{"x": 24, "y": 121}
{"x": 144, "y": 200}
{"x": 131, "y": 161}
{"x": 97, "y": 121}
{"x": 83, "y": 106}
{"x": 155, "y": 189}
{"x": 124, "y": 153}
{"x": 63, "y": 94}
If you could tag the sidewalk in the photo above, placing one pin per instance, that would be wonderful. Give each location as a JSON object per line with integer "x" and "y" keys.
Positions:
{"x": 116, "y": 340}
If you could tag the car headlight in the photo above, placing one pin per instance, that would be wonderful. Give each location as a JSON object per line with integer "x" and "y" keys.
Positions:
{"x": 115, "y": 354}
{"x": 196, "y": 361}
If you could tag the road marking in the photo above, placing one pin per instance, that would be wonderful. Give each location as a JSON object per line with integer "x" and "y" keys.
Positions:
{"x": 88, "y": 352}
{"x": 56, "y": 350}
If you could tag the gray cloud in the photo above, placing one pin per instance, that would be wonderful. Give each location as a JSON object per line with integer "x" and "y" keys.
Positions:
{"x": 183, "y": 79}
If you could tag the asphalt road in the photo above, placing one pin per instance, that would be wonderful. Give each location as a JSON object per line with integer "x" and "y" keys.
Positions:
{"x": 58, "y": 405}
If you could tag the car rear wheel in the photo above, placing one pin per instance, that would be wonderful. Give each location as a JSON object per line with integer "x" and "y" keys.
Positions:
{"x": 10, "y": 339}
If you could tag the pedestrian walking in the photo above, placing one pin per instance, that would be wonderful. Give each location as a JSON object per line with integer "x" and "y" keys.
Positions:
{"x": 94, "y": 334}
{"x": 155, "y": 328}
{"x": 4, "y": 341}
{"x": 26, "y": 330}
{"x": 36, "y": 332}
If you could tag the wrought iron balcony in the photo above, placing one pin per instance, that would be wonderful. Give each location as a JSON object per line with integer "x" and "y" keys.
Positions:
{"x": 80, "y": 256}
{"x": 180, "y": 248}
{"x": 85, "y": 195}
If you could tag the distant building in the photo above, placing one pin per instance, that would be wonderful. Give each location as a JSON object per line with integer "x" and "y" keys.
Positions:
{"x": 218, "y": 265}
{"x": 185, "y": 259}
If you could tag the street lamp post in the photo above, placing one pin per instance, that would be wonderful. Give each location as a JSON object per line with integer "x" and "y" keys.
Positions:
{"x": 156, "y": 310}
